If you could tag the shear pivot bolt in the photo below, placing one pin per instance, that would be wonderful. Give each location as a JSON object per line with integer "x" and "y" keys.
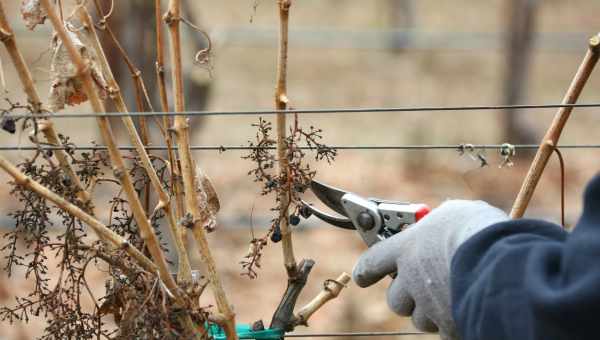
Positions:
{"x": 365, "y": 220}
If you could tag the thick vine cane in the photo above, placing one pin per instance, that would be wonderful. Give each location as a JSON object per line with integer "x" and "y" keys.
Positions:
{"x": 550, "y": 140}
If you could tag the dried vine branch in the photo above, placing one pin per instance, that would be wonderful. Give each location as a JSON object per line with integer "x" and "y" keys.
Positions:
{"x": 160, "y": 59}
{"x": 331, "y": 290}
{"x": 142, "y": 98}
{"x": 164, "y": 200}
{"x": 146, "y": 230}
{"x": 550, "y": 140}
{"x": 44, "y": 125}
{"x": 281, "y": 103}
{"x": 196, "y": 216}
{"x": 176, "y": 181}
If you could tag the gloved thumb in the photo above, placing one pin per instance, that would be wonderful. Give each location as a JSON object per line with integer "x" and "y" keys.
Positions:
{"x": 380, "y": 260}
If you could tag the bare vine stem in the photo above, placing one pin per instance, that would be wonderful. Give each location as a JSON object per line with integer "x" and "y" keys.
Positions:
{"x": 160, "y": 58}
{"x": 176, "y": 185}
{"x": 281, "y": 103}
{"x": 550, "y": 140}
{"x": 44, "y": 125}
{"x": 164, "y": 200}
{"x": 289, "y": 170}
{"x": 118, "y": 164}
{"x": 331, "y": 290}
{"x": 188, "y": 172}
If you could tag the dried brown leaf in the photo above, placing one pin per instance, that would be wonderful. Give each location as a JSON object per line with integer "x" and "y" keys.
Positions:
{"x": 207, "y": 199}
{"x": 33, "y": 13}
{"x": 66, "y": 88}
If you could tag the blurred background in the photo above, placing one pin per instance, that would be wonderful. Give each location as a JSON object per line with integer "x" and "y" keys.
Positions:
{"x": 351, "y": 53}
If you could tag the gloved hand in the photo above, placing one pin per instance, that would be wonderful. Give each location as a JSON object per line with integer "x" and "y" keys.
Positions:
{"x": 421, "y": 255}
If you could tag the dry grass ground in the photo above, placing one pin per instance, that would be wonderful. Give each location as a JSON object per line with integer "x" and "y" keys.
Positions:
{"x": 319, "y": 77}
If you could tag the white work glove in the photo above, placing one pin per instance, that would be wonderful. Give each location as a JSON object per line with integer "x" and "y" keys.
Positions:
{"x": 421, "y": 255}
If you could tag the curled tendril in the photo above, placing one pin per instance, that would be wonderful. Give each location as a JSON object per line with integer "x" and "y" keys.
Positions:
{"x": 202, "y": 57}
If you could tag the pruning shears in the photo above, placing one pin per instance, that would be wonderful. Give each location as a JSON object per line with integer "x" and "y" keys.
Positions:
{"x": 374, "y": 219}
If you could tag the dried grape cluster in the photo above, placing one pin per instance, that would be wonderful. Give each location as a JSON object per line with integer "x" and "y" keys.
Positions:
{"x": 297, "y": 180}
{"x": 138, "y": 302}
{"x": 9, "y": 123}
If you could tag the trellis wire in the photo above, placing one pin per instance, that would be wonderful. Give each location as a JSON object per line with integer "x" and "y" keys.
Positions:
{"x": 222, "y": 148}
{"x": 392, "y": 39}
{"x": 307, "y": 111}
{"x": 352, "y": 334}
{"x": 402, "y": 39}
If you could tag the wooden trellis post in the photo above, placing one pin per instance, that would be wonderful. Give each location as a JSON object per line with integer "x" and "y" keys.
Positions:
{"x": 550, "y": 140}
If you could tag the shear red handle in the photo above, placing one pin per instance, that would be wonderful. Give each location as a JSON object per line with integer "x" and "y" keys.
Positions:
{"x": 421, "y": 212}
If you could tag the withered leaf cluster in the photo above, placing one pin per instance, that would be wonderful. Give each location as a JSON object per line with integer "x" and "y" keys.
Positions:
{"x": 66, "y": 87}
{"x": 33, "y": 14}
{"x": 208, "y": 200}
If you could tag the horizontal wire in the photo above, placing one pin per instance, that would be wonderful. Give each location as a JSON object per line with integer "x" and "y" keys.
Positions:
{"x": 351, "y": 334}
{"x": 307, "y": 111}
{"x": 458, "y": 147}
{"x": 392, "y": 39}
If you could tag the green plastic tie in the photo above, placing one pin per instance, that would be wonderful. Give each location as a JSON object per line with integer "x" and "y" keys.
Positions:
{"x": 244, "y": 331}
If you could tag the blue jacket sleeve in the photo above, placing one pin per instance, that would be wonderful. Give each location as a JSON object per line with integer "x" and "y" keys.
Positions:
{"x": 529, "y": 279}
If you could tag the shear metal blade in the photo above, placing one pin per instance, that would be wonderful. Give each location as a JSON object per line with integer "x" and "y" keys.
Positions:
{"x": 330, "y": 196}
{"x": 340, "y": 222}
